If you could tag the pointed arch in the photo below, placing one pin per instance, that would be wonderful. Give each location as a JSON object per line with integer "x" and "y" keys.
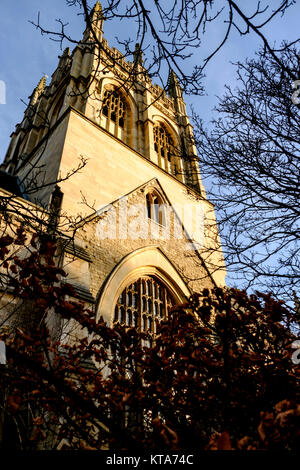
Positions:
{"x": 162, "y": 120}
{"x": 149, "y": 261}
{"x": 142, "y": 303}
{"x": 167, "y": 147}
{"x": 117, "y": 111}
{"x": 156, "y": 206}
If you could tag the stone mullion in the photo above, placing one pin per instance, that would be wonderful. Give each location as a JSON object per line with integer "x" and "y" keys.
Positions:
{"x": 141, "y": 310}
{"x": 148, "y": 314}
{"x": 109, "y": 109}
{"x": 117, "y": 111}
{"x": 117, "y": 115}
{"x": 157, "y": 300}
{"x": 153, "y": 310}
{"x": 126, "y": 293}
{"x": 163, "y": 159}
{"x": 165, "y": 302}
{"x": 152, "y": 206}
{"x": 169, "y": 304}
{"x": 155, "y": 295}
{"x": 166, "y": 149}
{"x": 140, "y": 306}
{"x": 160, "y": 148}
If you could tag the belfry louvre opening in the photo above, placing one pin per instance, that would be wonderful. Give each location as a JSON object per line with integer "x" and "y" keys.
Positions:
{"x": 142, "y": 303}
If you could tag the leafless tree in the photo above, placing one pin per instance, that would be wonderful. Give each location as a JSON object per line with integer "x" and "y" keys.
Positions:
{"x": 252, "y": 155}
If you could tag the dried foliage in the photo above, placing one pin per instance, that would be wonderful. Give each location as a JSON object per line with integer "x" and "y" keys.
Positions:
{"x": 219, "y": 374}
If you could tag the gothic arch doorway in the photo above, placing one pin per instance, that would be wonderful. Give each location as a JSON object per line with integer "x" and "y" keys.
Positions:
{"x": 131, "y": 276}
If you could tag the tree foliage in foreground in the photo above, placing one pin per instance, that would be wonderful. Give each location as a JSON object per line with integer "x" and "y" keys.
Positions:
{"x": 219, "y": 374}
{"x": 252, "y": 155}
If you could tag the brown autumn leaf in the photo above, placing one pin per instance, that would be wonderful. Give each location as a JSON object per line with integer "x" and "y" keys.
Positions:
{"x": 14, "y": 403}
{"x": 224, "y": 442}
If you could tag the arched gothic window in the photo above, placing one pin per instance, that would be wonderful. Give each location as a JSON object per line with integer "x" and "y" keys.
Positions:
{"x": 155, "y": 207}
{"x": 165, "y": 149}
{"x": 114, "y": 107}
{"x": 142, "y": 303}
{"x": 114, "y": 113}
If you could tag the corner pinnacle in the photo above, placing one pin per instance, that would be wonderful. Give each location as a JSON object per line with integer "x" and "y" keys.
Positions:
{"x": 98, "y": 6}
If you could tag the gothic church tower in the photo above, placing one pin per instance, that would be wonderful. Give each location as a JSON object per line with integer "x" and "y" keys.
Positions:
{"x": 146, "y": 236}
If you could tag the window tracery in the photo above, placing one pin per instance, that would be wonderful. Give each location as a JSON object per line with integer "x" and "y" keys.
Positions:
{"x": 114, "y": 108}
{"x": 165, "y": 149}
{"x": 142, "y": 303}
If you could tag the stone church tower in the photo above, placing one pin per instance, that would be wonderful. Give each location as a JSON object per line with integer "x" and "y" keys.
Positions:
{"x": 145, "y": 234}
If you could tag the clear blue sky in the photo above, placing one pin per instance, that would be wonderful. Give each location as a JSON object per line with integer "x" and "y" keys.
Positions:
{"x": 26, "y": 55}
